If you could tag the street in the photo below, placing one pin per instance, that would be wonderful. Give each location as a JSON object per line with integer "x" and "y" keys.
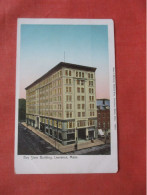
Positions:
{"x": 97, "y": 150}
{"x": 31, "y": 144}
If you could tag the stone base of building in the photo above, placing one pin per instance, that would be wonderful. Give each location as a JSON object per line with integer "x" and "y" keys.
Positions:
{"x": 65, "y": 148}
{"x": 65, "y": 136}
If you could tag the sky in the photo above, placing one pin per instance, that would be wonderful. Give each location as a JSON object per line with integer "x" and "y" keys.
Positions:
{"x": 43, "y": 46}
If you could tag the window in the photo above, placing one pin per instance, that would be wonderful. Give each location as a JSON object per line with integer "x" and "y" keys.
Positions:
{"x": 91, "y": 113}
{"x": 70, "y": 106}
{"x": 83, "y": 106}
{"x": 92, "y": 76}
{"x": 60, "y": 124}
{"x": 69, "y": 81}
{"x": 82, "y": 90}
{"x": 66, "y": 89}
{"x": 70, "y": 98}
{"x": 83, "y": 114}
{"x": 81, "y": 123}
{"x": 91, "y": 122}
{"x": 66, "y": 81}
{"x": 82, "y": 98}
{"x": 78, "y": 82}
{"x": 70, "y": 124}
{"x": 79, "y": 114}
{"x": 79, "y": 74}
{"x": 67, "y": 114}
{"x": 70, "y": 114}
{"x": 78, "y": 106}
{"x": 90, "y": 83}
{"x": 66, "y": 72}
{"x": 83, "y": 74}
{"x": 69, "y": 72}
{"x": 89, "y": 90}
{"x": 76, "y": 74}
{"x": 82, "y": 82}
{"x": 67, "y": 106}
{"x": 89, "y": 75}
{"x": 78, "y": 98}
{"x": 78, "y": 90}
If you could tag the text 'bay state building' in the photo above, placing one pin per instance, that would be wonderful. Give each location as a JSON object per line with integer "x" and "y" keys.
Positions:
{"x": 62, "y": 103}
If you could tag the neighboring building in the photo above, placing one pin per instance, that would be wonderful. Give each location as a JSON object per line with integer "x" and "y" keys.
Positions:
{"x": 103, "y": 114}
{"x": 62, "y": 103}
{"x": 22, "y": 110}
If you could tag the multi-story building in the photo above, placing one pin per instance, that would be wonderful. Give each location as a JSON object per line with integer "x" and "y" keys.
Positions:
{"x": 62, "y": 103}
{"x": 103, "y": 114}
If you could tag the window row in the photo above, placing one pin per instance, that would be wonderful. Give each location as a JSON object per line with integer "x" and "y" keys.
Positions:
{"x": 51, "y": 113}
{"x": 91, "y": 90}
{"x": 68, "y": 81}
{"x": 90, "y": 75}
{"x": 81, "y": 123}
{"x": 68, "y": 73}
{"x": 80, "y": 90}
{"x": 68, "y": 114}
{"x": 80, "y": 82}
{"x": 70, "y": 124}
{"x": 80, "y": 106}
{"x": 55, "y": 99}
{"x": 56, "y": 83}
{"x": 91, "y": 106}
{"x": 91, "y": 113}
{"x": 81, "y": 114}
{"x": 90, "y": 122}
{"x": 68, "y": 98}
{"x": 68, "y": 89}
{"x": 91, "y": 98}
{"x": 56, "y": 91}
{"x": 90, "y": 83}
{"x": 49, "y": 79}
{"x": 68, "y": 106}
{"x": 79, "y": 74}
{"x": 80, "y": 98}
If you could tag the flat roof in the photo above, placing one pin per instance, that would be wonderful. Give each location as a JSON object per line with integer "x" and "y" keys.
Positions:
{"x": 58, "y": 67}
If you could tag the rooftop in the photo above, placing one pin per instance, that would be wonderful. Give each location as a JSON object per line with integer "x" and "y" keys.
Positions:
{"x": 103, "y": 102}
{"x": 58, "y": 67}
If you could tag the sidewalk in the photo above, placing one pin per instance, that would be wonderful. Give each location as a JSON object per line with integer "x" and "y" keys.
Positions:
{"x": 60, "y": 147}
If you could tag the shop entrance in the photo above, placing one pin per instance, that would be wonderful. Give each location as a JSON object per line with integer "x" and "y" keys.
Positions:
{"x": 38, "y": 122}
{"x": 91, "y": 134}
{"x": 81, "y": 134}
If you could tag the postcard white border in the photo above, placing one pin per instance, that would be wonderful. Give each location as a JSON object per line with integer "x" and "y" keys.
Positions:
{"x": 83, "y": 163}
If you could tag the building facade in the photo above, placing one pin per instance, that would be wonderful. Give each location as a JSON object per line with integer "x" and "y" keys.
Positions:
{"x": 103, "y": 114}
{"x": 62, "y": 103}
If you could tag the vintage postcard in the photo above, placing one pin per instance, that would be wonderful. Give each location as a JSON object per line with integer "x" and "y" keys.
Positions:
{"x": 65, "y": 120}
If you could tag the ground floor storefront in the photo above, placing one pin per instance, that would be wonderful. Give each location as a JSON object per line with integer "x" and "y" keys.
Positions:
{"x": 60, "y": 131}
